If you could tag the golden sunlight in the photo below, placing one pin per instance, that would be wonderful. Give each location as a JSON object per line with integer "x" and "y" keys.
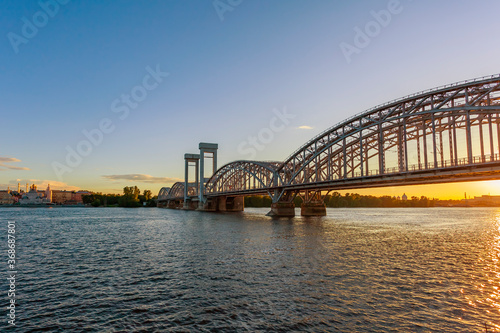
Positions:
{"x": 445, "y": 191}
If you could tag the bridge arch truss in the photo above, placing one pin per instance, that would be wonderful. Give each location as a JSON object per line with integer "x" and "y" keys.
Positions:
{"x": 447, "y": 127}
{"x": 177, "y": 191}
{"x": 244, "y": 177}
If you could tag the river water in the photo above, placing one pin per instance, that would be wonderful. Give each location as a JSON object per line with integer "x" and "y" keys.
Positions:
{"x": 157, "y": 270}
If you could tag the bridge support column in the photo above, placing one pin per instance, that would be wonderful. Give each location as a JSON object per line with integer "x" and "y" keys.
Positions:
{"x": 313, "y": 208}
{"x": 282, "y": 209}
{"x": 190, "y": 158}
{"x": 190, "y": 204}
{"x": 210, "y": 205}
{"x": 230, "y": 204}
{"x": 313, "y": 204}
{"x": 174, "y": 204}
{"x": 210, "y": 148}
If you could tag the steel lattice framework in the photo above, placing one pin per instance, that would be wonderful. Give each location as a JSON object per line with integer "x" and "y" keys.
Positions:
{"x": 163, "y": 194}
{"x": 450, "y": 133}
{"x": 424, "y": 131}
{"x": 244, "y": 176}
{"x": 177, "y": 191}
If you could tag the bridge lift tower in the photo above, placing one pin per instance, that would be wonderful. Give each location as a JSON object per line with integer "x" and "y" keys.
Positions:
{"x": 189, "y": 159}
{"x": 206, "y": 148}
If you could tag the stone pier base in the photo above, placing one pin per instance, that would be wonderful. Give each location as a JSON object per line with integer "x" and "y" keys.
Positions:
{"x": 209, "y": 206}
{"x": 282, "y": 209}
{"x": 230, "y": 204}
{"x": 223, "y": 204}
{"x": 190, "y": 205}
{"x": 174, "y": 204}
{"x": 313, "y": 208}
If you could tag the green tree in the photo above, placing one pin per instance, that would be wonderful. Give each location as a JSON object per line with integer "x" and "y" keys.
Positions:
{"x": 137, "y": 192}
{"x": 147, "y": 195}
{"x": 130, "y": 197}
{"x": 88, "y": 198}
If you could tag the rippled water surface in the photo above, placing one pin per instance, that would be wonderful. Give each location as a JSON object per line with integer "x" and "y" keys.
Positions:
{"x": 356, "y": 270}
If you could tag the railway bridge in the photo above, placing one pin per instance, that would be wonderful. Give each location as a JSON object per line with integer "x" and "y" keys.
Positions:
{"x": 446, "y": 134}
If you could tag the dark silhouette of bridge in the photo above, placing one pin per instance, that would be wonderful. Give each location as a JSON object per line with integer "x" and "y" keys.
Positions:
{"x": 445, "y": 134}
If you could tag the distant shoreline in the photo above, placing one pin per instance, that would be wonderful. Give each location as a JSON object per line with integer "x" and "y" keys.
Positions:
{"x": 374, "y": 207}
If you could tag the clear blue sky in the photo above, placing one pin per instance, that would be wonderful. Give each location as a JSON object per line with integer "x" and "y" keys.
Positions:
{"x": 228, "y": 69}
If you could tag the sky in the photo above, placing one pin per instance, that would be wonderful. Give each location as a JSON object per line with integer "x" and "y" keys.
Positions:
{"x": 98, "y": 95}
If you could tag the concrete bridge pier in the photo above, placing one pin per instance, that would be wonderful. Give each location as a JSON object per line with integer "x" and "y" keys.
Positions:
{"x": 230, "y": 204}
{"x": 313, "y": 204}
{"x": 175, "y": 204}
{"x": 282, "y": 205}
{"x": 190, "y": 204}
{"x": 313, "y": 208}
{"x": 282, "y": 209}
{"x": 210, "y": 205}
{"x": 222, "y": 204}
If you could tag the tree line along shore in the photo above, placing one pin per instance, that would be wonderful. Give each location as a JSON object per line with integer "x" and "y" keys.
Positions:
{"x": 133, "y": 197}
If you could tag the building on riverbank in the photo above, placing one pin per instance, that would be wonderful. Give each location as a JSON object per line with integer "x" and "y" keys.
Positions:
{"x": 484, "y": 201}
{"x": 6, "y": 198}
{"x": 33, "y": 196}
{"x": 63, "y": 197}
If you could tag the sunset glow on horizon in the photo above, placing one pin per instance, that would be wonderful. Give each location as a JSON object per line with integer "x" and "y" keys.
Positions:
{"x": 443, "y": 191}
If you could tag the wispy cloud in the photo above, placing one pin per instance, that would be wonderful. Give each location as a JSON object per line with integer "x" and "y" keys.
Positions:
{"x": 305, "y": 127}
{"x": 136, "y": 177}
{"x": 4, "y": 166}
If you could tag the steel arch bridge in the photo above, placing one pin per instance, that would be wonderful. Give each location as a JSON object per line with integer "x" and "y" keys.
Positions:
{"x": 445, "y": 134}
{"x": 171, "y": 196}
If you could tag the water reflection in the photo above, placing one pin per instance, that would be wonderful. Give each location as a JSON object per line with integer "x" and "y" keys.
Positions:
{"x": 488, "y": 283}
{"x": 352, "y": 271}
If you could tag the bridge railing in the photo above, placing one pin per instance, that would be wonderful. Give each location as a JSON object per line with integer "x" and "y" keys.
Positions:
{"x": 463, "y": 161}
